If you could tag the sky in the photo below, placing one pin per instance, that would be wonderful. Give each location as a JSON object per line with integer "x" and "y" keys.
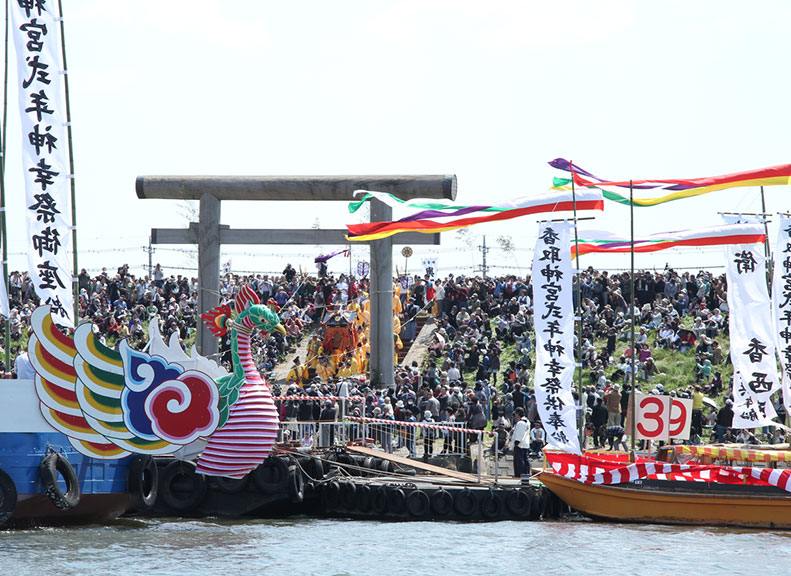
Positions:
{"x": 488, "y": 91}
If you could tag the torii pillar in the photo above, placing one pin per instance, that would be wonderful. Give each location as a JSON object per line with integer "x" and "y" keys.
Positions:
{"x": 209, "y": 235}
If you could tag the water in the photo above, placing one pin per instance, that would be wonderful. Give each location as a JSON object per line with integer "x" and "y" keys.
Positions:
{"x": 301, "y": 547}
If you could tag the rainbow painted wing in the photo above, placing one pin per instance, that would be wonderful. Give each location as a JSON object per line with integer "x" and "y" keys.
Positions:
{"x": 52, "y": 355}
{"x": 111, "y": 404}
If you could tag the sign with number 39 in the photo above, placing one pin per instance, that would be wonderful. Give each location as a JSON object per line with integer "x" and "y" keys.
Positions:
{"x": 663, "y": 417}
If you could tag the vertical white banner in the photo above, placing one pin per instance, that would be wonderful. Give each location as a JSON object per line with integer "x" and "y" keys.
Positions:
{"x": 554, "y": 324}
{"x": 752, "y": 336}
{"x": 781, "y": 297}
{"x": 45, "y": 159}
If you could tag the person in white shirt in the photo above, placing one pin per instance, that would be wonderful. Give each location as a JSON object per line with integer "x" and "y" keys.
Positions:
{"x": 22, "y": 366}
{"x": 520, "y": 440}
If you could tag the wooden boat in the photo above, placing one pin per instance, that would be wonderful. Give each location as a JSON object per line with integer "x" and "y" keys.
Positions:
{"x": 661, "y": 501}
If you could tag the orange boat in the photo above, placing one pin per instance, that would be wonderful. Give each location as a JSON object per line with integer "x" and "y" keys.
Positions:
{"x": 654, "y": 500}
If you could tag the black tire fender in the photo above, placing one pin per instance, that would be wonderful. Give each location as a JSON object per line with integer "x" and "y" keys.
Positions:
{"x": 8, "y": 497}
{"x": 379, "y": 500}
{"x": 332, "y": 494}
{"x": 143, "y": 484}
{"x": 418, "y": 504}
{"x": 181, "y": 487}
{"x": 442, "y": 502}
{"x": 51, "y": 465}
{"x": 364, "y": 498}
{"x": 396, "y": 501}
{"x": 518, "y": 503}
{"x": 296, "y": 485}
{"x": 271, "y": 477}
{"x": 491, "y": 505}
{"x": 464, "y": 502}
{"x": 230, "y": 485}
{"x": 348, "y": 495}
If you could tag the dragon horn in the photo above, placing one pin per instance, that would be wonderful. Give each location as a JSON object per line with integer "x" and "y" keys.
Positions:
{"x": 217, "y": 319}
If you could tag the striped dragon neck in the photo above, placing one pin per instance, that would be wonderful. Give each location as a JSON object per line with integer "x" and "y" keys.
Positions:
{"x": 243, "y": 357}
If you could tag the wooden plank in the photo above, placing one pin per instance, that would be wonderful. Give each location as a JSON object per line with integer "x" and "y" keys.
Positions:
{"x": 463, "y": 476}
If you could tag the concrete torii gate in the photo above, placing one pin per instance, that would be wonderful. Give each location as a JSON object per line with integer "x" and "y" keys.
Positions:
{"x": 209, "y": 235}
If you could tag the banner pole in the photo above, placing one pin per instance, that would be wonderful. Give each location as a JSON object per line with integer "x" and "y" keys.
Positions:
{"x": 578, "y": 370}
{"x": 75, "y": 284}
{"x": 632, "y": 379}
{"x": 767, "y": 248}
{"x": 3, "y": 221}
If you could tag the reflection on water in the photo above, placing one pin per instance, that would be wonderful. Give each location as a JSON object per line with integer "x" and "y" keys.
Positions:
{"x": 297, "y": 547}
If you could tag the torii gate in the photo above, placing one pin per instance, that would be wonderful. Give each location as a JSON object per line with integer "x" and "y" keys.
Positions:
{"x": 209, "y": 235}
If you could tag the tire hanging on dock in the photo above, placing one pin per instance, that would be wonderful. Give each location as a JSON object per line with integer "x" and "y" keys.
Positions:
{"x": 396, "y": 500}
{"x": 52, "y": 465}
{"x": 364, "y": 498}
{"x": 490, "y": 505}
{"x": 348, "y": 495}
{"x": 518, "y": 503}
{"x": 143, "y": 484}
{"x": 182, "y": 488}
{"x": 8, "y": 497}
{"x": 331, "y": 495}
{"x": 296, "y": 485}
{"x": 442, "y": 502}
{"x": 379, "y": 500}
{"x": 418, "y": 504}
{"x": 464, "y": 502}
{"x": 230, "y": 485}
{"x": 271, "y": 477}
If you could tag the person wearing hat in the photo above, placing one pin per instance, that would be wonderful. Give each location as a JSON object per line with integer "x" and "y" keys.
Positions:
{"x": 298, "y": 373}
{"x": 520, "y": 440}
{"x": 428, "y": 435}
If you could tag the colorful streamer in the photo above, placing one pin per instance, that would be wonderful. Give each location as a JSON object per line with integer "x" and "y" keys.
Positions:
{"x": 603, "y": 241}
{"x": 676, "y": 188}
{"x": 433, "y": 220}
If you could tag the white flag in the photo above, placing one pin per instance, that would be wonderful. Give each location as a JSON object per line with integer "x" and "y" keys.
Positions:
{"x": 554, "y": 323}
{"x": 45, "y": 158}
{"x": 781, "y": 296}
{"x": 752, "y": 336}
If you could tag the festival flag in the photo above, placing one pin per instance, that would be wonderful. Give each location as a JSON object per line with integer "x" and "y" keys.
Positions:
{"x": 667, "y": 190}
{"x": 752, "y": 336}
{"x": 554, "y": 325}
{"x": 604, "y": 241}
{"x": 45, "y": 158}
{"x": 451, "y": 217}
{"x": 781, "y": 300}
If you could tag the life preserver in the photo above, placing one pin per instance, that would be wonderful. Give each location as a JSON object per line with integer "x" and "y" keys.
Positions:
{"x": 464, "y": 502}
{"x": 271, "y": 477}
{"x": 296, "y": 485}
{"x": 518, "y": 502}
{"x": 52, "y": 465}
{"x": 182, "y": 488}
{"x": 143, "y": 482}
{"x": 441, "y": 502}
{"x": 9, "y": 497}
{"x": 331, "y": 494}
{"x": 364, "y": 498}
{"x": 380, "y": 500}
{"x": 396, "y": 500}
{"x": 348, "y": 495}
{"x": 418, "y": 504}
{"x": 230, "y": 485}
{"x": 491, "y": 505}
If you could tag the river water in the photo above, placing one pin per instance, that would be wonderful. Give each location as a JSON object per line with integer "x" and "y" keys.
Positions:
{"x": 301, "y": 547}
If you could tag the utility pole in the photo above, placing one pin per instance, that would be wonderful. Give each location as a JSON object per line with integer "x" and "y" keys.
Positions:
{"x": 484, "y": 268}
{"x": 150, "y": 250}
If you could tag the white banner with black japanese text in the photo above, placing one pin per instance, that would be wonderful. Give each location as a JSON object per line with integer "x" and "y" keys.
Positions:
{"x": 781, "y": 296}
{"x": 752, "y": 336}
{"x": 554, "y": 324}
{"x": 45, "y": 158}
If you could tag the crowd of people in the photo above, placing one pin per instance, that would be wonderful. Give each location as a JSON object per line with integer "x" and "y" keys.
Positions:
{"x": 463, "y": 380}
